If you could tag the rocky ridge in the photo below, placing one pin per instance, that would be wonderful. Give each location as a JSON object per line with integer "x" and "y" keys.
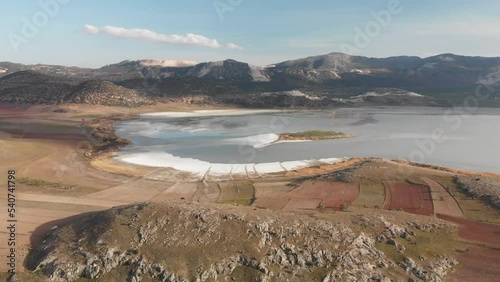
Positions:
{"x": 481, "y": 187}
{"x": 191, "y": 242}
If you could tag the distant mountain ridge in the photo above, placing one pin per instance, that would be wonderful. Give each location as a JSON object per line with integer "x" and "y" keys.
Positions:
{"x": 337, "y": 75}
{"x": 333, "y": 64}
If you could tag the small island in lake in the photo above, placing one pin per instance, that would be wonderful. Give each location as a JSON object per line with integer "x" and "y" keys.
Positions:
{"x": 314, "y": 135}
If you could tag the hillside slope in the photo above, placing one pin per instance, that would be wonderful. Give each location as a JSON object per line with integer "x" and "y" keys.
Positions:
{"x": 30, "y": 87}
{"x": 194, "y": 242}
{"x": 95, "y": 92}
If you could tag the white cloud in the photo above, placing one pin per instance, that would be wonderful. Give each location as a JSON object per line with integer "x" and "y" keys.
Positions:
{"x": 190, "y": 39}
{"x": 91, "y": 29}
{"x": 234, "y": 46}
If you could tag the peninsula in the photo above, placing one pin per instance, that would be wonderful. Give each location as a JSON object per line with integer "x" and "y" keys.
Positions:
{"x": 313, "y": 135}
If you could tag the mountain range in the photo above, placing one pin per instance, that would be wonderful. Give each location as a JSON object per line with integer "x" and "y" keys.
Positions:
{"x": 333, "y": 78}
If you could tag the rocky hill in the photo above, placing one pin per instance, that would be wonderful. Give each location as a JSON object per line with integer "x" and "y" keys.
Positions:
{"x": 30, "y": 87}
{"x": 229, "y": 70}
{"x": 95, "y": 92}
{"x": 195, "y": 242}
{"x": 174, "y": 87}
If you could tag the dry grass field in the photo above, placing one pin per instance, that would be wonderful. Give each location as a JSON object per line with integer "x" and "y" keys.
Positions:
{"x": 371, "y": 195}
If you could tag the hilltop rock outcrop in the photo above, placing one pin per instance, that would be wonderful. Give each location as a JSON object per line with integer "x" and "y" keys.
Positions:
{"x": 194, "y": 242}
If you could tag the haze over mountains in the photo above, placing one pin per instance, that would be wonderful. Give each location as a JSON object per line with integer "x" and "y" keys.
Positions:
{"x": 443, "y": 79}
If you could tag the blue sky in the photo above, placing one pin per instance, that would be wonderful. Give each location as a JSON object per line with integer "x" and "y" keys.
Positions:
{"x": 94, "y": 33}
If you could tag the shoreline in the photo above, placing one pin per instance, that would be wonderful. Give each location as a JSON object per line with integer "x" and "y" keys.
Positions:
{"x": 111, "y": 143}
{"x": 101, "y": 134}
{"x": 196, "y": 167}
{"x": 103, "y": 129}
{"x": 291, "y": 137}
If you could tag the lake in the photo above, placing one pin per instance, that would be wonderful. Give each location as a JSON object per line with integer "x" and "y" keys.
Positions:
{"x": 220, "y": 140}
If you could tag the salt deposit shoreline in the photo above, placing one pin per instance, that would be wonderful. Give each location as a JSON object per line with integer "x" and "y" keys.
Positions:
{"x": 201, "y": 168}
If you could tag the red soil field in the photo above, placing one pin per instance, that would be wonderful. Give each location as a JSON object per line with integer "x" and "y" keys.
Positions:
{"x": 410, "y": 198}
{"x": 332, "y": 194}
{"x": 476, "y": 231}
{"x": 477, "y": 264}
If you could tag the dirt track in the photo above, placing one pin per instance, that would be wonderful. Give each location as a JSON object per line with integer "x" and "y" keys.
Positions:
{"x": 444, "y": 203}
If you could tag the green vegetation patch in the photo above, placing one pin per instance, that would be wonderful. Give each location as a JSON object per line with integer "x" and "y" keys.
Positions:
{"x": 371, "y": 195}
{"x": 424, "y": 244}
{"x": 45, "y": 184}
{"x": 241, "y": 193}
{"x": 316, "y": 134}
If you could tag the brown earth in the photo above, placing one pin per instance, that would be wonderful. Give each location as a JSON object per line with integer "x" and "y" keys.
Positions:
{"x": 477, "y": 264}
{"x": 333, "y": 195}
{"x": 271, "y": 203}
{"x": 297, "y": 204}
{"x": 178, "y": 191}
{"x": 444, "y": 203}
